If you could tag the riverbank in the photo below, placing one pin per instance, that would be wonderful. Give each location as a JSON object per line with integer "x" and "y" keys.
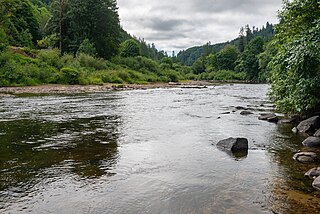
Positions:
{"x": 75, "y": 89}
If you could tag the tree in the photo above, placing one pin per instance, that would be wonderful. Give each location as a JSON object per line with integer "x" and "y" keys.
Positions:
{"x": 19, "y": 20}
{"x": 87, "y": 47}
{"x": 295, "y": 68}
{"x": 227, "y": 57}
{"x": 129, "y": 48}
{"x": 198, "y": 66}
{"x": 96, "y": 20}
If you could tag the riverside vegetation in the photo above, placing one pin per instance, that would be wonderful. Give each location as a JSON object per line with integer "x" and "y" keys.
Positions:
{"x": 54, "y": 42}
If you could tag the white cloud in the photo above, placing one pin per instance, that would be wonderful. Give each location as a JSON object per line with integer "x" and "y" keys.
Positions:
{"x": 179, "y": 24}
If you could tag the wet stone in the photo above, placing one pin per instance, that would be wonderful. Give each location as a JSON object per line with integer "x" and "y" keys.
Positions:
{"x": 312, "y": 142}
{"x": 317, "y": 134}
{"x": 246, "y": 113}
{"x": 314, "y": 172}
{"x": 305, "y": 157}
{"x": 233, "y": 144}
{"x": 310, "y": 125}
{"x": 267, "y": 116}
{"x": 316, "y": 183}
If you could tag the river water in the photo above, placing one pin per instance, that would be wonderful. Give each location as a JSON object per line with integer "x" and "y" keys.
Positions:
{"x": 148, "y": 151}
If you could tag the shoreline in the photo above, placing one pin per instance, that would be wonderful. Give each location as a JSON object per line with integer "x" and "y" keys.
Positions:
{"x": 79, "y": 89}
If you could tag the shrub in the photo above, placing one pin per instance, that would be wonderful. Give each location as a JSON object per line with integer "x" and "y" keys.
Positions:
{"x": 50, "y": 57}
{"x": 70, "y": 76}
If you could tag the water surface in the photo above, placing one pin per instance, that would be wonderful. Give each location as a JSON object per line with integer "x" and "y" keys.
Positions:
{"x": 148, "y": 151}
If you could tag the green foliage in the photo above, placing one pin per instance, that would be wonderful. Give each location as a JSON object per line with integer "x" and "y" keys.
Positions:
{"x": 222, "y": 75}
{"x": 96, "y": 20}
{"x": 248, "y": 61}
{"x": 50, "y": 57}
{"x": 199, "y": 66}
{"x": 48, "y": 41}
{"x": 3, "y": 40}
{"x": 189, "y": 56}
{"x": 86, "y": 47}
{"x": 129, "y": 48}
{"x": 295, "y": 68}
{"x": 227, "y": 57}
{"x": 20, "y": 20}
{"x": 70, "y": 76}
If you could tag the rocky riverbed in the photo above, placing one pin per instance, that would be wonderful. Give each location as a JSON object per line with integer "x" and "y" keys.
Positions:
{"x": 76, "y": 89}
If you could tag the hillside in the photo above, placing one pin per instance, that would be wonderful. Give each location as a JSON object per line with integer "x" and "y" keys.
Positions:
{"x": 189, "y": 56}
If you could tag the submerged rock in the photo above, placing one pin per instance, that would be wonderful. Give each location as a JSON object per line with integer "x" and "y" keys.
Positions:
{"x": 312, "y": 142}
{"x": 305, "y": 157}
{"x": 316, "y": 183}
{"x": 233, "y": 144}
{"x": 317, "y": 134}
{"x": 289, "y": 120}
{"x": 246, "y": 113}
{"x": 274, "y": 119}
{"x": 310, "y": 125}
{"x": 314, "y": 172}
{"x": 267, "y": 116}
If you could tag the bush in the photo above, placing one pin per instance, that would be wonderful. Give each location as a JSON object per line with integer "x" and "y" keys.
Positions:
{"x": 91, "y": 62}
{"x": 50, "y": 57}
{"x": 70, "y": 76}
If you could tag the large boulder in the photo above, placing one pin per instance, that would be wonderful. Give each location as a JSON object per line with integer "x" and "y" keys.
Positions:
{"x": 317, "y": 134}
{"x": 310, "y": 125}
{"x": 316, "y": 183}
{"x": 233, "y": 144}
{"x": 314, "y": 172}
{"x": 312, "y": 142}
{"x": 305, "y": 157}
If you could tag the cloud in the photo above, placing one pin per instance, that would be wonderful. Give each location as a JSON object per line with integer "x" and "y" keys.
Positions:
{"x": 179, "y": 24}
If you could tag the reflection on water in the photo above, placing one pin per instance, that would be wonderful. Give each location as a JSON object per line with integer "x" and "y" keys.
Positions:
{"x": 150, "y": 151}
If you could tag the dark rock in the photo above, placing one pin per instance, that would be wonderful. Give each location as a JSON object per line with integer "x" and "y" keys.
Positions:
{"x": 312, "y": 142}
{"x": 313, "y": 172}
{"x": 241, "y": 108}
{"x": 226, "y": 112}
{"x": 233, "y": 144}
{"x": 316, "y": 183}
{"x": 310, "y": 125}
{"x": 267, "y": 116}
{"x": 245, "y": 113}
{"x": 274, "y": 119}
{"x": 317, "y": 134}
{"x": 305, "y": 157}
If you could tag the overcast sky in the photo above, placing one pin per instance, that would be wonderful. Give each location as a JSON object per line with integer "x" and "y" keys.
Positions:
{"x": 179, "y": 24}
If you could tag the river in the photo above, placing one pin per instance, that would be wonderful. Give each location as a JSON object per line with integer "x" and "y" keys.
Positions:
{"x": 148, "y": 151}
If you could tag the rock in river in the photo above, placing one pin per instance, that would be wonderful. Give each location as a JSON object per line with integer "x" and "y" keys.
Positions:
{"x": 312, "y": 142}
{"x": 316, "y": 183}
{"x": 310, "y": 125}
{"x": 305, "y": 157}
{"x": 314, "y": 172}
{"x": 233, "y": 144}
{"x": 246, "y": 112}
{"x": 267, "y": 116}
{"x": 317, "y": 134}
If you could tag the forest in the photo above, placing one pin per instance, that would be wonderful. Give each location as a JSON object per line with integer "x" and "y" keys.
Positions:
{"x": 69, "y": 42}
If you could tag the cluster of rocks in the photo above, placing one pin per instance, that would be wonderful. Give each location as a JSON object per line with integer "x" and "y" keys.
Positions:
{"x": 311, "y": 127}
